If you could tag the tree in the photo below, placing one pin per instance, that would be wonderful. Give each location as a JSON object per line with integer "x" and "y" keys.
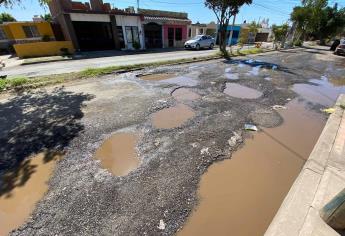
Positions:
{"x": 280, "y": 33}
{"x": 10, "y": 3}
{"x": 224, "y": 10}
{"x": 47, "y": 17}
{"x": 5, "y": 17}
{"x": 316, "y": 19}
{"x": 301, "y": 17}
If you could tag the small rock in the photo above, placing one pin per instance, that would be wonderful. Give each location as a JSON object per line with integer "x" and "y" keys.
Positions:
{"x": 204, "y": 151}
{"x": 161, "y": 225}
{"x": 278, "y": 107}
{"x": 157, "y": 142}
{"x": 233, "y": 140}
{"x": 194, "y": 145}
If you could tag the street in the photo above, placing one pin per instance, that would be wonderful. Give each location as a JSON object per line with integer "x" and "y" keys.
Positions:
{"x": 172, "y": 124}
{"x": 76, "y": 65}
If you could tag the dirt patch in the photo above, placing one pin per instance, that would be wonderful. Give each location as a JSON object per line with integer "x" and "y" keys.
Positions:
{"x": 31, "y": 179}
{"x": 118, "y": 155}
{"x": 240, "y": 91}
{"x": 172, "y": 117}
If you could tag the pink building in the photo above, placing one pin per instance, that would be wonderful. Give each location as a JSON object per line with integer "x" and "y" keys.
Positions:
{"x": 164, "y": 29}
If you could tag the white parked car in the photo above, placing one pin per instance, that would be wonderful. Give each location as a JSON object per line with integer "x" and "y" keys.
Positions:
{"x": 200, "y": 41}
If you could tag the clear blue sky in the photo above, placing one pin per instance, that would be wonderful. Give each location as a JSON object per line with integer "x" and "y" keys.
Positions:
{"x": 276, "y": 10}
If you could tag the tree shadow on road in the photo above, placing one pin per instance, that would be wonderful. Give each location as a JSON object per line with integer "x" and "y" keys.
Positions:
{"x": 261, "y": 64}
{"x": 34, "y": 123}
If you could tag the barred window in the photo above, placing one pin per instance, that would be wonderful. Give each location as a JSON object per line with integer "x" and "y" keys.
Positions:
{"x": 31, "y": 31}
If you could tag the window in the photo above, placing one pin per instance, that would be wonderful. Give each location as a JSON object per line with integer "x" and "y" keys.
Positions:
{"x": 31, "y": 31}
{"x": 132, "y": 34}
{"x": 201, "y": 31}
{"x": 190, "y": 32}
{"x": 178, "y": 34}
{"x": 2, "y": 34}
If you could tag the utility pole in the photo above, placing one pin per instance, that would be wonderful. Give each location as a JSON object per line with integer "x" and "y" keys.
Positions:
{"x": 137, "y": 6}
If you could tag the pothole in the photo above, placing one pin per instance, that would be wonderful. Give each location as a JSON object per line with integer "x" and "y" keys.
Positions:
{"x": 23, "y": 187}
{"x": 252, "y": 184}
{"x": 172, "y": 117}
{"x": 240, "y": 91}
{"x": 184, "y": 94}
{"x": 157, "y": 77}
{"x": 118, "y": 155}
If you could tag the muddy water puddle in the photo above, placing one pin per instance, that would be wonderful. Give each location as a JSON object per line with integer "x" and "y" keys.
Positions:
{"x": 118, "y": 153}
{"x": 241, "y": 195}
{"x": 240, "y": 91}
{"x": 23, "y": 188}
{"x": 324, "y": 92}
{"x": 184, "y": 94}
{"x": 172, "y": 117}
{"x": 157, "y": 77}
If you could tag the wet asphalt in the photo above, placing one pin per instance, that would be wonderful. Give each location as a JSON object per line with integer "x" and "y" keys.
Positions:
{"x": 84, "y": 199}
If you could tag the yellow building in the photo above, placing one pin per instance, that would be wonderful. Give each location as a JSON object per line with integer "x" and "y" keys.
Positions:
{"x": 30, "y": 38}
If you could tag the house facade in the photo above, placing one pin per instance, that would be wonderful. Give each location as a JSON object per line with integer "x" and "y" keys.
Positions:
{"x": 24, "y": 32}
{"x": 95, "y": 25}
{"x": 198, "y": 29}
{"x": 164, "y": 29}
{"x": 235, "y": 35}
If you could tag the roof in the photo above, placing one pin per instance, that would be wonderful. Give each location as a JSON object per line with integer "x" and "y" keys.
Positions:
{"x": 163, "y": 18}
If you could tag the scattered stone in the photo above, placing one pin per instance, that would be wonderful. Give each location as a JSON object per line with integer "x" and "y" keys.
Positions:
{"x": 161, "y": 225}
{"x": 278, "y": 107}
{"x": 204, "y": 151}
{"x": 234, "y": 139}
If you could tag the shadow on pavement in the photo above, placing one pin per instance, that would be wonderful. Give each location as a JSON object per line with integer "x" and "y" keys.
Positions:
{"x": 33, "y": 123}
{"x": 262, "y": 64}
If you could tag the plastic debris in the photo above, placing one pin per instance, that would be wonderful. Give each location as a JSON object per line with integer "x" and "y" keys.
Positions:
{"x": 228, "y": 70}
{"x": 278, "y": 107}
{"x": 274, "y": 67}
{"x": 250, "y": 127}
{"x": 161, "y": 225}
{"x": 329, "y": 110}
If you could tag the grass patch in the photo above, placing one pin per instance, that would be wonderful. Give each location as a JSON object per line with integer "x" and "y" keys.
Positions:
{"x": 18, "y": 81}
{"x": 342, "y": 106}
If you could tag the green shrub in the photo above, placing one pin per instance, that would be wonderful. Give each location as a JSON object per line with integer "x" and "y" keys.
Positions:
{"x": 3, "y": 84}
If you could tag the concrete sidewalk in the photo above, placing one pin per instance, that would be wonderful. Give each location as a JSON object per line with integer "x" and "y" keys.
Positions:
{"x": 322, "y": 177}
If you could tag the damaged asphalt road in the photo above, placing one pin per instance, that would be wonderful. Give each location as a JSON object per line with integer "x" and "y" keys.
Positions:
{"x": 84, "y": 199}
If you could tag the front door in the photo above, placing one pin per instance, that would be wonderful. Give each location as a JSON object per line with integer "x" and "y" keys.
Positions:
{"x": 171, "y": 37}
